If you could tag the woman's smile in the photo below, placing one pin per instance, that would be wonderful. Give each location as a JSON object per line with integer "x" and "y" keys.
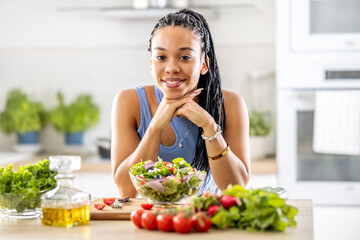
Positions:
{"x": 173, "y": 82}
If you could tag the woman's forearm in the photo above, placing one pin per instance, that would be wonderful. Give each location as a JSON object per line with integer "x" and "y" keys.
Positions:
{"x": 148, "y": 149}
{"x": 229, "y": 169}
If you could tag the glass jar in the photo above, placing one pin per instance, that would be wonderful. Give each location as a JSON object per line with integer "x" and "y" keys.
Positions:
{"x": 65, "y": 206}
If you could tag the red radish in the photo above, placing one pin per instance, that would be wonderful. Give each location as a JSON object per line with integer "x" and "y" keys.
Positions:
{"x": 228, "y": 201}
{"x": 212, "y": 210}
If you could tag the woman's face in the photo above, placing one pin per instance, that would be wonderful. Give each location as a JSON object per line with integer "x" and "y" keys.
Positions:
{"x": 176, "y": 61}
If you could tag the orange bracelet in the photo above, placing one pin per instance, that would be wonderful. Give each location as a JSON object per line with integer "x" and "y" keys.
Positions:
{"x": 221, "y": 154}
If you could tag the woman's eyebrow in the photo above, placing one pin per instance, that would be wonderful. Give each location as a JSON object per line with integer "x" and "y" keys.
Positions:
{"x": 180, "y": 49}
{"x": 186, "y": 48}
{"x": 159, "y": 48}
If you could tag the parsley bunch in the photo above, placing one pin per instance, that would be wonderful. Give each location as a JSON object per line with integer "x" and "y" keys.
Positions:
{"x": 255, "y": 210}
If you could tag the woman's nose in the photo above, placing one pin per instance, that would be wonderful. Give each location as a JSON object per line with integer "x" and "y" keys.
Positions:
{"x": 172, "y": 66}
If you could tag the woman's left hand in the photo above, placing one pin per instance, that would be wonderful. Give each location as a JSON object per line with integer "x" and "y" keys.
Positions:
{"x": 196, "y": 114}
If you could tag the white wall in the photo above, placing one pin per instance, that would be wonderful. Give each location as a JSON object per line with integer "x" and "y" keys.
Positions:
{"x": 43, "y": 50}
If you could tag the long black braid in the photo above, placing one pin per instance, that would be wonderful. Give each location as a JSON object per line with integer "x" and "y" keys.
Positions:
{"x": 211, "y": 97}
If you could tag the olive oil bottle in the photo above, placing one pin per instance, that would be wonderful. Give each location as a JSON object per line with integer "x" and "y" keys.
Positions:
{"x": 65, "y": 206}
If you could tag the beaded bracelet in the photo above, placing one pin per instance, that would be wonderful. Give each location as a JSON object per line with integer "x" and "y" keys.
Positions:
{"x": 218, "y": 132}
{"x": 221, "y": 154}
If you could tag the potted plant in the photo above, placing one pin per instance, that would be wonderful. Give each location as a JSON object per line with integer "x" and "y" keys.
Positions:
{"x": 259, "y": 129}
{"x": 75, "y": 118}
{"x": 22, "y": 116}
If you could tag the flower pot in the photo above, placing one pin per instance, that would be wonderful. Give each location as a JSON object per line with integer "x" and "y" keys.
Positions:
{"x": 74, "y": 138}
{"x": 28, "y": 137}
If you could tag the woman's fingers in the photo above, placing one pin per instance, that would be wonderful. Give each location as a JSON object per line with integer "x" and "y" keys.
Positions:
{"x": 168, "y": 108}
{"x": 195, "y": 92}
{"x": 187, "y": 97}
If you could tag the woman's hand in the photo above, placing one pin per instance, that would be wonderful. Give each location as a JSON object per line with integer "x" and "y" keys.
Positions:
{"x": 167, "y": 109}
{"x": 196, "y": 114}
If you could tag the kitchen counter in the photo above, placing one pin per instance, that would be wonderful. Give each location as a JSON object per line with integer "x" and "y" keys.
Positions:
{"x": 124, "y": 229}
{"x": 93, "y": 163}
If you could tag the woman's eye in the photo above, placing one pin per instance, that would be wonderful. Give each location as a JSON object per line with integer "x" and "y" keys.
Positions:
{"x": 160, "y": 57}
{"x": 185, "y": 58}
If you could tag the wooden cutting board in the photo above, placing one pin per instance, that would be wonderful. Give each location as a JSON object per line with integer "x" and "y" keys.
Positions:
{"x": 109, "y": 213}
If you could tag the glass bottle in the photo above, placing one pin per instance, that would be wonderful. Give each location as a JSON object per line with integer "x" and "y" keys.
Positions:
{"x": 65, "y": 206}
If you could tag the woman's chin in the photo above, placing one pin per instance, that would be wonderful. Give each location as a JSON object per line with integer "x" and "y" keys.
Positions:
{"x": 173, "y": 96}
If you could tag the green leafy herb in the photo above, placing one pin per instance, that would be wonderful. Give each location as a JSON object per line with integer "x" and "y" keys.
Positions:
{"x": 78, "y": 116}
{"x": 258, "y": 124}
{"x": 20, "y": 114}
{"x": 21, "y": 190}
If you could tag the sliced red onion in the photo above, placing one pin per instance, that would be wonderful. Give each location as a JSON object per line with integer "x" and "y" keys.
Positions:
{"x": 156, "y": 185}
{"x": 187, "y": 177}
{"x": 147, "y": 165}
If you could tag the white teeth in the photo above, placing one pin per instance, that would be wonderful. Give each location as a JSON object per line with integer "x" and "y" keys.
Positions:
{"x": 172, "y": 82}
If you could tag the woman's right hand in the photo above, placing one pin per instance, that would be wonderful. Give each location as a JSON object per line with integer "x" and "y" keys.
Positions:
{"x": 167, "y": 108}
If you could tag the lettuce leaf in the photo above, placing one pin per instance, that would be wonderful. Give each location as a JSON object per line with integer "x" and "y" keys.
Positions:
{"x": 25, "y": 185}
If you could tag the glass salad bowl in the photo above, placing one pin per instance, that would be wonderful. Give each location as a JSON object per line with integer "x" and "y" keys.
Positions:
{"x": 16, "y": 206}
{"x": 164, "y": 183}
{"x": 20, "y": 191}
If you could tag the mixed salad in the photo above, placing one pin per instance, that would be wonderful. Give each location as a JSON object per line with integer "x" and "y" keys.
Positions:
{"x": 164, "y": 182}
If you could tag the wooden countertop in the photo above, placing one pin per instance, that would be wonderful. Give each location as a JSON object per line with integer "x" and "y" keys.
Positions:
{"x": 93, "y": 163}
{"x": 123, "y": 229}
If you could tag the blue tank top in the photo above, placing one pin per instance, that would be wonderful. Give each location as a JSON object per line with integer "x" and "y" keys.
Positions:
{"x": 185, "y": 131}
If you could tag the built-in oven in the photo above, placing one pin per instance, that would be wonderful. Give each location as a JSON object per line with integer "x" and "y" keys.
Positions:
{"x": 325, "y": 178}
{"x": 325, "y": 25}
{"x": 318, "y": 50}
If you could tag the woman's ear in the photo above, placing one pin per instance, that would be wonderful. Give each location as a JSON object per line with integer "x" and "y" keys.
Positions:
{"x": 150, "y": 64}
{"x": 204, "y": 68}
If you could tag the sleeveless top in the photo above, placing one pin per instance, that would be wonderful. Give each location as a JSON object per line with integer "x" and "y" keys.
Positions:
{"x": 185, "y": 131}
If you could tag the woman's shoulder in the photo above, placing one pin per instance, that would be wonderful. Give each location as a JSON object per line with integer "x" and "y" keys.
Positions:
{"x": 128, "y": 99}
{"x": 125, "y": 96}
{"x": 131, "y": 94}
{"x": 232, "y": 98}
{"x": 235, "y": 110}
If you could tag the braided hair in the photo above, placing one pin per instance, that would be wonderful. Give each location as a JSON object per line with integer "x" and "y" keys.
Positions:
{"x": 211, "y": 98}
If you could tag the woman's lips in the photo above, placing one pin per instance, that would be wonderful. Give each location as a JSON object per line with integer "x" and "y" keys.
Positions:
{"x": 173, "y": 82}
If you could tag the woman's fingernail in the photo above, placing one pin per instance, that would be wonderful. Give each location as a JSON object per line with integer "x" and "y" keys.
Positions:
{"x": 199, "y": 89}
{"x": 193, "y": 95}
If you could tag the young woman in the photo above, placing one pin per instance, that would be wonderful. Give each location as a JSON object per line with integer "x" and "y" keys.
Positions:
{"x": 186, "y": 114}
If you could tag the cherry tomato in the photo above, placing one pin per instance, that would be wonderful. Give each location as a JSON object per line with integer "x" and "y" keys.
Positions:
{"x": 99, "y": 206}
{"x": 147, "y": 206}
{"x": 135, "y": 217}
{"x": 182, "y": 223}
{"x": 167, "y": 164}
{"x": 108, "y": 201}
{"x": 148, "y": 221}
{"x": 201, "y": 222}
{"x": 172, "y": 170}
{"x": 164, "y": 222}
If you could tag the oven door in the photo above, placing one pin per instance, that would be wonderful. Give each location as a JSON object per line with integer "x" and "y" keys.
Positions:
{"x": 325, "y": 178}
{"x": 325, "y": 25}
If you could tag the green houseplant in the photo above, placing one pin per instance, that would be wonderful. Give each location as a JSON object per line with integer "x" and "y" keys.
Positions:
{"x": 258, "y": 124}
{"x": 259, "y": 129}
{"x": 75, "y": 118}
{"x": 22, "y": 116}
